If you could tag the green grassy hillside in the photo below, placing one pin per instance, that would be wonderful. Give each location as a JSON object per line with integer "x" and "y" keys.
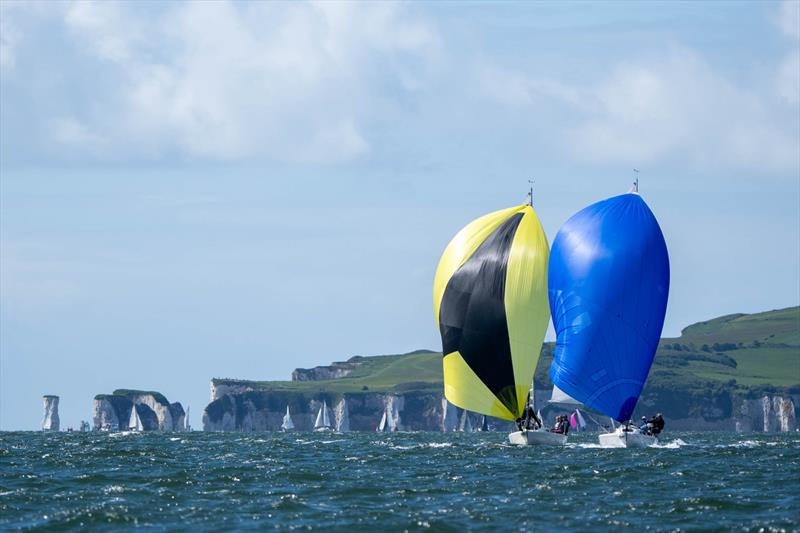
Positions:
{"x": 734, "y": 354}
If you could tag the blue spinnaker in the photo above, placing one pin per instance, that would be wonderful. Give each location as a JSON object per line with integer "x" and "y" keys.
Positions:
{"x": 608, "y": 280}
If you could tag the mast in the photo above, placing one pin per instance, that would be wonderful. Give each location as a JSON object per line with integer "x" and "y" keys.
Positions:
{"x": 530, "y": 193}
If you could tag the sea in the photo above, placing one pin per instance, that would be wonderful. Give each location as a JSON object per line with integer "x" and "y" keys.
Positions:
{"x": 395, "y": 482}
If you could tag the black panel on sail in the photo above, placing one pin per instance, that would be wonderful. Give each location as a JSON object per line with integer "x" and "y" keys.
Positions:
{"x": 472, "y": 317}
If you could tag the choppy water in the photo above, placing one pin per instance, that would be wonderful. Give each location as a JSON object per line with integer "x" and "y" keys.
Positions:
{"x": 213, "y": 481}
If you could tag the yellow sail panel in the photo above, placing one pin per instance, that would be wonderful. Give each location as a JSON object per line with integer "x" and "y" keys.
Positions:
{"x": 462, "y": 247}
{"x": 464, "y": 389}
{"x": 490, "y": 302}
{"x": 526, "y": 301}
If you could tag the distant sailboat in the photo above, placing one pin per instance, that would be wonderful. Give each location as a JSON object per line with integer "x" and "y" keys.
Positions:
{"x": 323, "y": 422}
{"x": 134, "y": 423}
{"x": 608, "y": 285}
{"x": 484, "y": 424}
{"x": 287, "y": 424}
{"x": 490, "y": 302}
{"x": 187, "y": 426}
{"x": 382, "y": 426}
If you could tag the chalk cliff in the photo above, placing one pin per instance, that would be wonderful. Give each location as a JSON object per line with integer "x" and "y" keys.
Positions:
{"x": 51, "y": 421}
{"x": 358, "y": 411}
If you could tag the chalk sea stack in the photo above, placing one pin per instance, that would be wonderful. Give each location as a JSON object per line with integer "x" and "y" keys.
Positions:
{"x": 50, "y": 422}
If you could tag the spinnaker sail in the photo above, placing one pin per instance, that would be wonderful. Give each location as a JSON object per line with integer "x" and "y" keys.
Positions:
{"x": 490, "y": 303}
{"x": 608, "y": 284}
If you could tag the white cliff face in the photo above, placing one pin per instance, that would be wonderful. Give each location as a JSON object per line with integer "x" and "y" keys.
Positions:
{"x": 449, "y": 416}
{"x": 393, "y": 405}
{"x": 221, "y": 389}
{"x": 784, "y": 414}
{"x": 769, "y": 413}
{"x": 342, "y": 416}
{"x": 51, "y": 421}
{"x": 228, "y": 423}
{"x": 103, "y": 416}
{"x": 165, "y": 422}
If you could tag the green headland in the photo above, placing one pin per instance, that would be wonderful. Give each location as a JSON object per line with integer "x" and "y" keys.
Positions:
{"x": 739, "y": 354}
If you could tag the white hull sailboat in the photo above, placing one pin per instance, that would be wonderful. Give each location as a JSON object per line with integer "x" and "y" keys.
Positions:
{"x": 134, "y": 424}
{"x": 490, "y": 302}
{"x": 626, "y": 437}
{"x": 287, "y": 424}
{"x": 323, "y": 422}
{"x": 528, "y": 437}
{"x": 608, "y": 281}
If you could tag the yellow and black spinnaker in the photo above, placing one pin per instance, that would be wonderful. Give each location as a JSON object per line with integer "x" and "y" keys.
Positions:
{"x": 490, "y": 301}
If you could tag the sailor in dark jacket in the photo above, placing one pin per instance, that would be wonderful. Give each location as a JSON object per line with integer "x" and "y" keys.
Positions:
{"x": 656, "y": 424}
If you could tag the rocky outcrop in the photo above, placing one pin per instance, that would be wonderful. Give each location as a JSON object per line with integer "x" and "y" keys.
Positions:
{"x": 112, "y": 412}
{"x": 51, "y": 422}
{"x": 335, "y": 370}
{"x": 341, "y": 414}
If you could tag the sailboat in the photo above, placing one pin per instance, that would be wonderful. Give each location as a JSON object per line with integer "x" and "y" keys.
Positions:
{"x": 187, "y": 426}
{"x": 383, "y": 427}
{"x": 287, "y": 424}
{"x": 323, "y": 422}
{"x": 134, "y": 423}
{"x": 490, "y": 303}
{"x": 484, "y": 424}
{"x": 608, "y": 284}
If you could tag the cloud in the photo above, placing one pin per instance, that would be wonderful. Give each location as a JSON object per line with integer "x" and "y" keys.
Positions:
{"x": 221, "y": 80}
{"x": 670, "y": 104}
{"x": 788, "y": 19}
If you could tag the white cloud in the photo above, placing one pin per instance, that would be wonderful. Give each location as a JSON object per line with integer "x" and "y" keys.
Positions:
{"x": 669, "y": 105}
{"x": 223, "y": 80}
{"x": 788, "y": 19}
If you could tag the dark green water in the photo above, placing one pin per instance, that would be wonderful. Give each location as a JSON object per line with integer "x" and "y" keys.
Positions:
{"x": 215, "y": 481}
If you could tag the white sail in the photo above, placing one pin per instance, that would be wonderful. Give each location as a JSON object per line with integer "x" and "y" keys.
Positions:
{"x": 581, "y": 421}
{"x": 287, "y": 421}
{"x": 561, "y": 397}
{"x": 187, "y": 425}
{"x": 134, "y": 423}
{"x": 326, "y": 415}
{"x": 382, "y": 425}
{"x": 323, "y": 418}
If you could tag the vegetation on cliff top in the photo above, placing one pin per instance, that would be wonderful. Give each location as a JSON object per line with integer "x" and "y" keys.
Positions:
{"x": 696, "y": 373}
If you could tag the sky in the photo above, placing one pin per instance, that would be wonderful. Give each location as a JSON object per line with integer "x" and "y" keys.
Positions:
{"x": 193, "y": 190}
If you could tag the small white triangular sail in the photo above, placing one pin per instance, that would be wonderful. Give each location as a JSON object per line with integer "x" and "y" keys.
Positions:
{"x": 319, "y": 422}
{"x": 561, "y": 397}
{"x": 326, "y": 415}
{"x": 134, "y": 423}
{"x": 187, "y": 426}
{"x": 382, "y": 425}
{"x": 287, "y": 421}
{"x": 467, "y": 423}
